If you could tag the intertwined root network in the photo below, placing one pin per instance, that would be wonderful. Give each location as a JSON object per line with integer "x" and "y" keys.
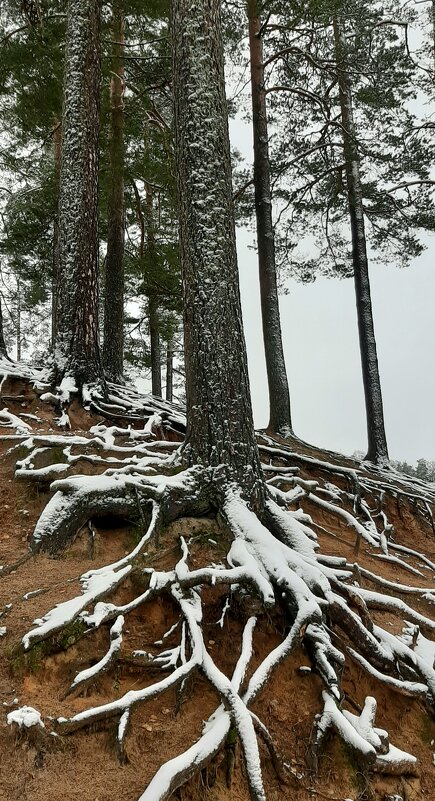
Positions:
{"x": 276, "y": 561}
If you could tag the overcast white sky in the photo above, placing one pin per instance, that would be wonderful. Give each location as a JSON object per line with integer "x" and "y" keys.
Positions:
{"x": 322, "y": 355}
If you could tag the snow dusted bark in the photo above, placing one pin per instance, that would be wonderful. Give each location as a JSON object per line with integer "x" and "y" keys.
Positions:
{"x": 279, "y": 399}
{"x": 377, "y": 442}
{"x": 113, "y": 348}
{"x": 220, "y": 431}
{"x": 57, "y": 145}
{"x": 77, "y": 348}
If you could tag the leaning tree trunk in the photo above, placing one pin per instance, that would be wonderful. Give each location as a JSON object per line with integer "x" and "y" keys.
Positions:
{"x": 113, "y": 348}
{"x": 220, "y": 431}
{"x": 377, "y": 442}
{"x": 153, "y": 306}
{"x": 77, "y": 349}
{"x": 279, "y": 399}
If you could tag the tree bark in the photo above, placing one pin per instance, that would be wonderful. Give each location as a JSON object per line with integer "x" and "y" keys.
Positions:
{"x": 57, "y": 150}
{"x": 170, "y": 370}
{"x": 220, "y": 431}
{"x": 432, "y": 11}
{"x": 377, "y": 442}
{"x": 77, "y": 349}
{"x": 3, "y": 348}
{"x": 156, "y": 369}
{"x": 153, "y": 306}
{"x": 18, "y": 329}
{"x": 279, "y": 399}
{"x": 113, "y": 347}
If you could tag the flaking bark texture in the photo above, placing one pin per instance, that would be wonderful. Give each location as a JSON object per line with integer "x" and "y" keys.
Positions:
{"x": 113, "y": 347}
{"x": 220, "y": 431}
{"x": 77, "y": 347}
{"x": 377, "y": 442}
{"x": 279, "y": 399}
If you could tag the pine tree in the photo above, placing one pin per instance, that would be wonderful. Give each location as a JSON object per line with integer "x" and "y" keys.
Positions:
{"x": 344, "y": 146}
{"x": 377, "y": 441}
{"x": 77, "y": 349}
{"x": 220, "y": 431}
{"x": 279, "y": 399}
{"x": 113, "y": 338}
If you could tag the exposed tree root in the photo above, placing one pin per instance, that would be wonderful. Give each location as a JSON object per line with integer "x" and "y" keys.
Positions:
{"x": 274, "y": 561}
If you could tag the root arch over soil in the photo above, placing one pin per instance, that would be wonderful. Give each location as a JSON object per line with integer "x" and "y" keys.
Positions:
{"x": 330, "y": 603}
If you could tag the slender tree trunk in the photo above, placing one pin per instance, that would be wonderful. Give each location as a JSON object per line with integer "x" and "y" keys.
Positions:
{"x": 3, "y": 348}
{"x": 77, "y": 346}
{"x": 156, "y": 368}
{"x": 18, "y": 329}
{"x": 279, "y": 399}
{"x": 153, "y": 307}
{"x": 170, "y": 370}
{"x": 57, "y": 145}
{"x": 113, "y": 348}
{"x": 220, "y": 431}
{"x": 377, "y": 442}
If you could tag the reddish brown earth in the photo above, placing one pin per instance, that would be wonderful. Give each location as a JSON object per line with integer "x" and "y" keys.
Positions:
{"x": 84, "y": 765}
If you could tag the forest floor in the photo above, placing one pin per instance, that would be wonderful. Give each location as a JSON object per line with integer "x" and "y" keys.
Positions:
{"x": 84, "y": 766}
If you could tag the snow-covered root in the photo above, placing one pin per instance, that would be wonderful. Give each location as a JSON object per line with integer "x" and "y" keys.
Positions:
{"x": 276, "y": 560}
{"x": 81, "y": 498}
{"x": 96, "y": 584}
{"x": 178, "y": 771}
{"x": 9, "y": 420}
{"x": 89, "y": 675}
{"x": 370, "y": 745}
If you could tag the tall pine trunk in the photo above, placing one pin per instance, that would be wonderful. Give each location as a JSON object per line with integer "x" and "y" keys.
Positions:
{"x": 3, "y": 348}
{"x": 57, "y": 150}
{"x": 153, "y": 306}
{"x": 77, "y": 349}
{"x": 279, "y": 399}
{"x": 220, "y": 431}
{"x": 113, "y": 343}
{"x": 18, "y": 326}
{"x": 377, "y": 442}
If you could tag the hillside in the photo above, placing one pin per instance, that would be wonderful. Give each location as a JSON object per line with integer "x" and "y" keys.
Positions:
{"x": 369, "y": 534}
